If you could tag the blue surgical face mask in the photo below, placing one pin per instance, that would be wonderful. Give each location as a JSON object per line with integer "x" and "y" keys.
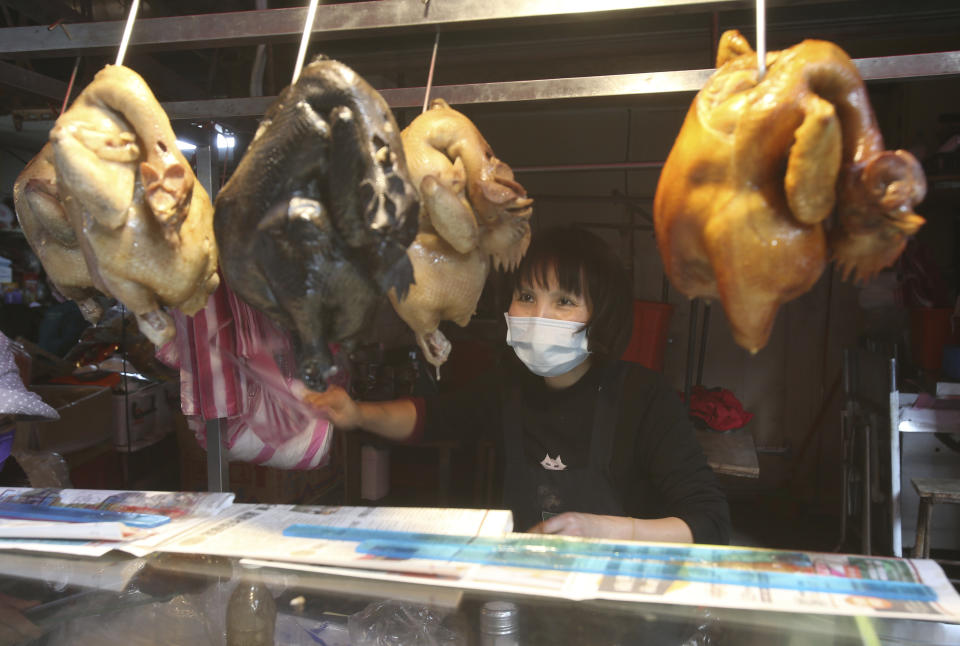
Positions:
{"x": 548, "y": 347}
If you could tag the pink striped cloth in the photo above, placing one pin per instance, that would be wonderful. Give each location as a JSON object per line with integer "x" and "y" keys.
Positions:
{"x": 228, "y": 355}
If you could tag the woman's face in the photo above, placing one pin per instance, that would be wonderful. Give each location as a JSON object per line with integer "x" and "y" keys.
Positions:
{"x": 549, "y": 302}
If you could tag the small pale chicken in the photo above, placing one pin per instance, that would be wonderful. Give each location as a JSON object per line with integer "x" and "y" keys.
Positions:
{"x": 143, "y": 222}
{"x": 744, "y": 203}
{"x": 472, "y": 212}
{"x": 50, "y": 235}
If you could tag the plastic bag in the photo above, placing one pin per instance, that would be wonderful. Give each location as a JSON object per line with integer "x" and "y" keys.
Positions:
{"x": 396, "y": 623}
{"x": 708, "y": 630}
{"x": 44, "y": 469}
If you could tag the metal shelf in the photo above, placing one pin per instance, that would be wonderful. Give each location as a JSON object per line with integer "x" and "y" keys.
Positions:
{"x": 913, "y": 66}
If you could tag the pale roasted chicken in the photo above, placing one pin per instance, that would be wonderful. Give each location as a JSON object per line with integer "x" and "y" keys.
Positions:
{"x": 142, "y": 220}
{"x": 52, "y": 238}
{"x": 770, "y": 180}
{"x": 472, "y": 212}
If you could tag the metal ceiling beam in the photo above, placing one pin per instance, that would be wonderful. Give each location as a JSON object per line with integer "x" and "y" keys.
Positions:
{"x": 26, "y": 80}
{"x": 914, "y": 66}
{"x": 333, "y": 21}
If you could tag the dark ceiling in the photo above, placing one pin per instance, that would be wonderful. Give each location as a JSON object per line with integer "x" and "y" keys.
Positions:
{"x": 579, "y": 47}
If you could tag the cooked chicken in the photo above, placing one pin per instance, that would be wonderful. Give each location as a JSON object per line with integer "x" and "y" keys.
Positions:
{"x": 50, "y": 235}
{"x": 314, "y": 224}
{"x": 742, "y": 205}
{"x": 471, "y": 210}
{"x": 144, "y": 224}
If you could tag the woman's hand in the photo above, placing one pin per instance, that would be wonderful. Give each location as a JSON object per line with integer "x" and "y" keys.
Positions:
{"x": 334, "y": 404}
{"x": 572, "y": 523}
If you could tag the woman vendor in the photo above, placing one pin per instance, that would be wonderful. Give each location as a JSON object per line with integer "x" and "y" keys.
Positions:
{"x": 592, "y": 445}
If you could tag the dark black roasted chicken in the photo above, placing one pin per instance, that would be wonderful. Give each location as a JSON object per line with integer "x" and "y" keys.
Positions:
{"x": 314, "y": 224}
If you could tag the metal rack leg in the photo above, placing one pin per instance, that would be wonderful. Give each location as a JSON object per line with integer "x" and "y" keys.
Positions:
{"x": 895, "y": 518}
{"x": 691, "y": 346}
{"x": 866, "y": 502}
{"x": 218, "y": 471}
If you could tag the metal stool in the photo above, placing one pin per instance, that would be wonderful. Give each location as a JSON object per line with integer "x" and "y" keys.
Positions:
{"x": 932, "y": 491}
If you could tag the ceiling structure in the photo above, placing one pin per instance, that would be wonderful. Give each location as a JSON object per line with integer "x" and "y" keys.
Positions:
{"x": 205, "y": 59}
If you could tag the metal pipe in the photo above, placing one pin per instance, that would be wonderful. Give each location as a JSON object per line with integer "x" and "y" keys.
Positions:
{"x": 704, "y": 331}
{"x": 336, "y": 20}
{"x": 691, "y": 344}
{"x": 259, "y": 60}
{"x": 913, "y": 66}
{"x": 865, "y": 489}
{"x": 568, "y": 168}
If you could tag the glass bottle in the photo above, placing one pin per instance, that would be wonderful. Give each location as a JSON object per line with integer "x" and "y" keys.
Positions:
{"x": 499, "y": 624}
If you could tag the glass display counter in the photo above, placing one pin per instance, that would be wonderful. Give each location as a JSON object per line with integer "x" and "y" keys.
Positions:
{"x": 174, "y": 599}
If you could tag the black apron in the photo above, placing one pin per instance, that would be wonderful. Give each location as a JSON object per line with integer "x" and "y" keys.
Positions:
{"x": 535, "y": 493}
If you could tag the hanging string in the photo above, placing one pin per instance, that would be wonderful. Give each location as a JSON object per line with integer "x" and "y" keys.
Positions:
{"x": 73, "y": 77}
{"x": 433, "y": 63}
{"x": 127, "y": 30}
{"x": 761, "y": 39}
{"x": 304, "y": 40}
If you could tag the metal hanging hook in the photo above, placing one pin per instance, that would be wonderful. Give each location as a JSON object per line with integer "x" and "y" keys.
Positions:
{"x": 127, "y": 30}
{"x": 761, "y": 39}
{"x": 304, "y": 40}
{"x": 433, "y": 63}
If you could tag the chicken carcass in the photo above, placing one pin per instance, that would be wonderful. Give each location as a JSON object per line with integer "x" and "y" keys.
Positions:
{"x": 50, "y": 235}
{"x": 314, "y": 223}
{"x": 143, "y": 222}
{"x": 744, "y": 202}
{"x": 472, "y": 212}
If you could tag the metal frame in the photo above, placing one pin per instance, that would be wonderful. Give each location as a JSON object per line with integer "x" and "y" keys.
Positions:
{"x": 913, "y": 66}
{"x": 333, "y": 21}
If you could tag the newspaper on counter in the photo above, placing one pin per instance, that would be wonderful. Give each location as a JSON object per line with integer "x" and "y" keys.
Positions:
{"x": 185, "y": 510}
{"x": 719, "y": 577}
{"x": 471, "y": 549}
{"x": 257, "y": 531}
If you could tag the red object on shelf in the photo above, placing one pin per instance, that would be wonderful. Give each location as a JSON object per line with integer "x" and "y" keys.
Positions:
{"x": 651, "y": 323}
{"x": 718, "y": 408}
{"x": 929, "y": 332}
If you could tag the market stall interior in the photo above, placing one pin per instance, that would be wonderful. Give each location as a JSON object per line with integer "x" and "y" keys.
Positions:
{"x": 584, "y": 101}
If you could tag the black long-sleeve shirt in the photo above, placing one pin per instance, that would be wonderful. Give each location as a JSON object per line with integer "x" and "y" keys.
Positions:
{"x": 657, "y": 464}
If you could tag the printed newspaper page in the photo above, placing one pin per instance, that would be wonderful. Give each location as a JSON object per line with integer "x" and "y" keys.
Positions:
{"x": 571, "y": 568}
{"x": 258, "y": 531}
{"x": 185, "y": 510}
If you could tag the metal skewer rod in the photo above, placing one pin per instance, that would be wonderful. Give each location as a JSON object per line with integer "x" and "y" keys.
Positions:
{"x": 73, "y": 77}
{"x": 127, "y": 30}
{"x": 304, "y": 40}
{"x": 761, "y": 39}
{"x": 433, "y": 64}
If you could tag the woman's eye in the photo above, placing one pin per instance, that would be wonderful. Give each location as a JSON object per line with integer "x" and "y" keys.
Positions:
{"x": 524, "y": 297}
{"x": 567, "y": 302}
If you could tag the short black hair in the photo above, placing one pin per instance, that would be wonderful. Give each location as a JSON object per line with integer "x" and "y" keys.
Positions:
{"x": 579, "y": 257}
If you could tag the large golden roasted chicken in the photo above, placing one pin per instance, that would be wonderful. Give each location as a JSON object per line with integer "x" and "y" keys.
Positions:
{"x": 472, "y": 211}
{"x": 143, "y": 222}
{"x": 50, "y": 234}
{"x": 744, "y": 203}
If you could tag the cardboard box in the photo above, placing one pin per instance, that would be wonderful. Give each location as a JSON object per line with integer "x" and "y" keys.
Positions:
{"x": 86, "y": 419}
{"x": 143, "y": 414}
